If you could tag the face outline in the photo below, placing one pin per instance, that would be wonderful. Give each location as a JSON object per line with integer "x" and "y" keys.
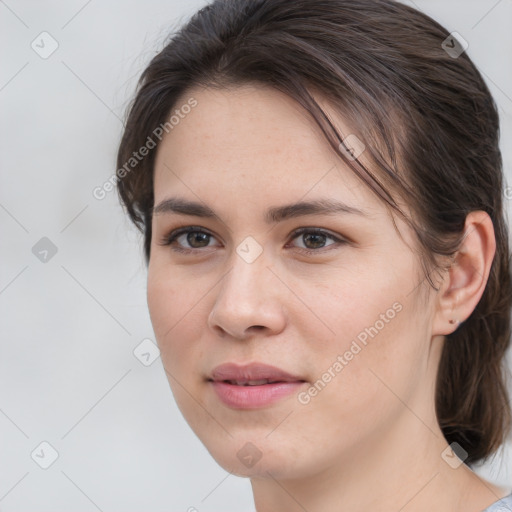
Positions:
{"x": 242, "y": 151}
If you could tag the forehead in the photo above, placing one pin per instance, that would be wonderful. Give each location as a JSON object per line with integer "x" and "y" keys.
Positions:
{"x": 257, "y": 138}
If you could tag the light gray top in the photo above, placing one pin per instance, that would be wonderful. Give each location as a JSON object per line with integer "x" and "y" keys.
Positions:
{"x": 503, "y": 505}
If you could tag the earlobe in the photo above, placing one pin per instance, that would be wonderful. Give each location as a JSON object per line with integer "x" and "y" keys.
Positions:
{"x": 466, "y": 279}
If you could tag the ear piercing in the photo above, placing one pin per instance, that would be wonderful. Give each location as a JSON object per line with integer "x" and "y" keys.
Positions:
{"x": 454, "y": 321}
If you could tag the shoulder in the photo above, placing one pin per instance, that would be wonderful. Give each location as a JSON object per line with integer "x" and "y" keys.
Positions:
{"x": 502, "y": 505}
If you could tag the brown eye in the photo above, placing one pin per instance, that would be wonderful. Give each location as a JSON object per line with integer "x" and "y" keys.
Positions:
{"x": 315, "y": 239}
{"x": 197, "y": 239}
{"x": 188, "y": 239}
{"x": 193, "y": 239}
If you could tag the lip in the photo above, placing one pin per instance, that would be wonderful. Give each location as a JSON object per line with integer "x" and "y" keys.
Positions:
{"x": 252, "y": 371}
{"x": 239, "y": 396}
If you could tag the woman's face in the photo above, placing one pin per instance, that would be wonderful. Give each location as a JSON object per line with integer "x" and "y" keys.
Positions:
{"x": 336, "y": 310}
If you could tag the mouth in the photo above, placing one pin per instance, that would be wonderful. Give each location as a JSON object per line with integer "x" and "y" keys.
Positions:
{"x": 253, "y": 374}
{"x": 252, "y": 386}
{"x": 260, "y": 382}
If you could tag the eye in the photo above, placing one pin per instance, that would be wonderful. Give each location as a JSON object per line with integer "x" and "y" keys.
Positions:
{"x": 315, "y": 239}
{"x": 192, "y": 238}
{"x": 195, "y": 236}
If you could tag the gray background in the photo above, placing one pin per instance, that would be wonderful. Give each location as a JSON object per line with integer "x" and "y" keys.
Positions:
{"x": 69, "y": 326}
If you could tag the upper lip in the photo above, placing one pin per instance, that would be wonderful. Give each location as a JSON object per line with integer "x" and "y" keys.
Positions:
{"x": 251, "y": 372}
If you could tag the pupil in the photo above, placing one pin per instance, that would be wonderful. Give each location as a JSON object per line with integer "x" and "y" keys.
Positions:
{"x": 195, "y": 237}
{"x": 319, "y": 238}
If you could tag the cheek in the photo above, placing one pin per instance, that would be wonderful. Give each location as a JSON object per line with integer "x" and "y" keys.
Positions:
{"x": 375, "y": 332}
{"x": 364, "y": 301}
{"x": 161, "y": 297}
{"x": 175, "y": 306}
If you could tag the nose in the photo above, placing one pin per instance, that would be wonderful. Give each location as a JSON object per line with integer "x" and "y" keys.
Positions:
{"x": 249, "y": 301}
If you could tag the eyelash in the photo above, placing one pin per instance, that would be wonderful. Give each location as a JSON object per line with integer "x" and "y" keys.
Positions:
{"x": 168, "y": 240}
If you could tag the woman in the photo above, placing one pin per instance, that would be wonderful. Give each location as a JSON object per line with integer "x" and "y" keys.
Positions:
{"x": 319, "y": 185}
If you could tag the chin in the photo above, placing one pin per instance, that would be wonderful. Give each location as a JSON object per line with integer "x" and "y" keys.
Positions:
{"x": 256, "y": 455}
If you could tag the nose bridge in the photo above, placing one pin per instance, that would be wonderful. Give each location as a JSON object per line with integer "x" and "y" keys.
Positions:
{"x": 247, "y": 295}
{"x": 247, "y": 281}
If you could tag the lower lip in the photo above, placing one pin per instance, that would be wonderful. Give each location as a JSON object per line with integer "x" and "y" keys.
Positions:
{"x": 252, "y": 397}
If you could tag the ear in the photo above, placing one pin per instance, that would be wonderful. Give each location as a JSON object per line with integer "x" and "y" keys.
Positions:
{"x": 464, "y": 282}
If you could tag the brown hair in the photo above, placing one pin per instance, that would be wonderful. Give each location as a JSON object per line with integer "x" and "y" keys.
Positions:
{"x": 429, "y": 123}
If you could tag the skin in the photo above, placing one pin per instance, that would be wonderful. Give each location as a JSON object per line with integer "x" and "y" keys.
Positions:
{"x": 373, "y": 427}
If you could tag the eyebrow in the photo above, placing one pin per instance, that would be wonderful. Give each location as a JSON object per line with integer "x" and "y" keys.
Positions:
{"x": 272, "y": 216}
